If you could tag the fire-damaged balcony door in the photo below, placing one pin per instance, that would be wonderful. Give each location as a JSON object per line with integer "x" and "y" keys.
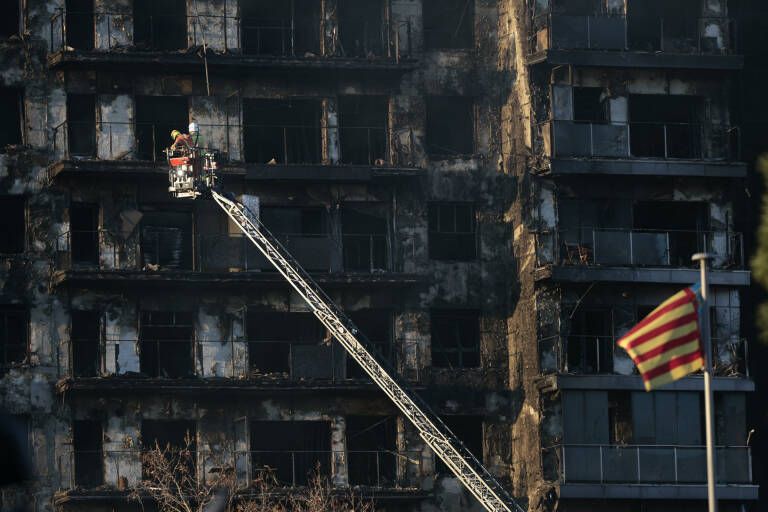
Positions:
{"x": 84, "y": 233}
{"x": 166, "y": 344}
{"x": 166, "y": 240}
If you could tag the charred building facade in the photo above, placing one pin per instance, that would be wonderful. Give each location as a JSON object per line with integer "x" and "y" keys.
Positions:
{"x": 494, "y": 190}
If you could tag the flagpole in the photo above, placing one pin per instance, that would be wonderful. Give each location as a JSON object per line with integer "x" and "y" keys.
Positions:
{"x": 706, "y": 340}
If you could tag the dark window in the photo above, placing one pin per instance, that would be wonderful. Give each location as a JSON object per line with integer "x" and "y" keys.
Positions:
{"x": 452, "y": 231}
{"x": 364, "y": 235}
{"x": 290, "y": 451}
{"x": 290, "y": 28}
{"x": 303, "y": 232}
{"x": 590, "y": 343}
{"x": 469, "y": 430}
{"x": 11, "y": 110}
{"x": 173, "y": 437}
{"x": 85, "y": 338}
{"x": 590, "y": 104}
{"x": 81, "y": 124}
{"x": 363, "y": 129}
{"x": 156, "y": 117}
{"x": 12, "y": 224}
{"x": 376, "y": 326}
{"x": 166, "y": 241}
{"x": 10, "y": 22}
{"x": 665, "y": 126}
{"x": 17, "y": 448}
{"x": 450, "y": 126}
{"x": 659, "y": 25}
{"x": 449, "y": 23}
{"x": 455, "y": 339}
{"x": 87, "y": 444}
{"x": 287, "y": 343}
{"x": 160, "y": 24}
{"x": 372, "y": 450}
{"x": 80, "y": 24}
{"x": 166, "y": 344}
{"x": 362, "y": 32}
{"x": 282, "y": 131}
{"x": 84, "y": 233}
{"x": 679, "y": 225}
{"x": 14, "y": 340}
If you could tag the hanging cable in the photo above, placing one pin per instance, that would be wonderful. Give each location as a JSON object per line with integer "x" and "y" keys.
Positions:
{"x": 205, "y": 47}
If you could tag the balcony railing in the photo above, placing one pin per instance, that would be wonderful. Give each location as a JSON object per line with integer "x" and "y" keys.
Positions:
{"x": 288, "y": 468}
{"x": 593, "y": 355}
{"x": 655, "y": 140}
{"x": 639, "y": 248}
{"x": 251, "y": 143}
{"x": 648, "y": 464}
{"x": 265, "y": 38}
{"x": 706, "y": 35}
{"x": 287, "y": 361}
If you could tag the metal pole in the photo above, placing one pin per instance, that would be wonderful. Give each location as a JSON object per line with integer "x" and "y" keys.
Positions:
{"x": 708, "y": 402}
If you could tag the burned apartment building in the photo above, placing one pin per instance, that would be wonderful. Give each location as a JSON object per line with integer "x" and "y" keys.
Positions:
{"x": 493, "y": 190}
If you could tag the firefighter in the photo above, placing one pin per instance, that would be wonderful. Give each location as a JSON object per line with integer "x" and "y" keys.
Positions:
{"x": 180, "y": 140}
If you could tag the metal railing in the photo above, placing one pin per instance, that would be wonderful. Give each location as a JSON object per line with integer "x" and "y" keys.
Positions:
{"x": 657, "y": 140}
{"x": 591, "y": 246}
{"x": 593, "y": 355}
{"x": 282, "y": 468}
{"x": 703, "y": 35}
{"x": 648, "y": 464}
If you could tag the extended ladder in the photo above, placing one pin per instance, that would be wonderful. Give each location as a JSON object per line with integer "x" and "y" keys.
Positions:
{"x": 432, "y": 430}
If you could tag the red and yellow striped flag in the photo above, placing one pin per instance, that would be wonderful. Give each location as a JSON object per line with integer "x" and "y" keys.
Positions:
{"x": 666, "y": 345}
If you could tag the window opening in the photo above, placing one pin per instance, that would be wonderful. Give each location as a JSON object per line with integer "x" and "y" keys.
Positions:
{"x": 364, "y": 237}
{"x": 455, "y": 339}
{"x": 84, "y": 233}
{"x": 590, "y": 343}
{"x": 11, "y": 110}
{"x": 290, "y": 451}
{"x": 363, "y": 129}
{"x": 166, "y": 344}
{"x": 87, "y": 441}
{"x": 450, "y": 126}
{"x": 448, "y": 24}
{"x": 282, "y": 131}
{"x": 12, "y": 224}
{"x": 14, "y": 336}
{"x": 85, "y": 338}
{"x": 372, "y": 450}
{"x": 80, "y": 22}
{"x": 469, "y": 430}
{"x": 280, "y": 29}
{"x": 81, "y": 124}
{"x": 160, "y": 24}
{"x": 362, "y": 32}
{"x": 452, "y": 231}
{"x": 665, "y": 126}
{"x": 376, "y": 326}
{"x": 156, "y": 117}
{"x": 590, "y": 104}
{"x": 166, "y": 241}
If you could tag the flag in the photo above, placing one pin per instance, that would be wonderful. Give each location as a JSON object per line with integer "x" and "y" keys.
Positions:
{"x": 666, "y": 344}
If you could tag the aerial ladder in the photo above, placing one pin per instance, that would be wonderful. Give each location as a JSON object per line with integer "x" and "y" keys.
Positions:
{"x": 193, "y": 174}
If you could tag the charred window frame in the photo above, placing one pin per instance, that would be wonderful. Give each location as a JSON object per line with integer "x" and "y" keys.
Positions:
{"x": 666, "y": 126}
{"x": 166, "y": 344}
{"x": 287, "y": 343}
{"x": 280, "y": 29}
{"x": 590, "y": 105}
{"x": 290, "y": 451}
{"x": 452, "y": 231}
{"x": 81, "y": 125}
{"x": 166, "y": 241}
{"x": 449, "y": 24}
{"x": 450, "y": 126}
{"x": 156, "y": 117}
{"x": 14, "y": 335}
{"x": 590, "y": 341}
{"x": 11, "y": 21}
{"x": 87, "y": 443}
{"x": 85, "y": 342}
{"x": 363, "y": 30}
{"x": 171, "y": 435}
{"x": 84, "y": 233}
{"x": 13, "y": 224}
{"x": 469, "y": 430}
{"x": 12, "y": 112}
{"x": 364, "y": 232}
{"x": 80, "y": 24}
{"x": 455, "y": 338}
{"x": 372, "y": 450}
{"x": 363, "y": 131}
{"x": 284, "y": 131}
{"x": 160, "y": 25}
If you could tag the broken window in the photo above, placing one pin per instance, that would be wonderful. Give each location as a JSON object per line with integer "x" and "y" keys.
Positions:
{"x": 11, "y": 110}
{"x": 171, "y": 436}
{"x": 372, "y": 450}
{"x": 665, "y": 126}
{"x": 469, "y": 430}
{"x": 362, "y": 32}
{"x": 659, "y": 25}
{"x": 455, "y": 338}
{"x": 166, "y": 241}
{"x": 287, "y": 343}
{"x": 376, "y": 326}
{"x": 677, "y": 229}
{"x": 16, "y": 428}
{"x": 364, "y": 235}
{"x": 87, "y": 441}
{"x": 80, "y": 24}
{"x": 452, "y": 231}
{"x": 363, "y": 129}
{"x": 282, "y": 131}
{"x": 14, "y": 337}
{"x": 84, "y": 233}
{"x": 10, "y": 22}
{"x": 590, "y": 342}
{"x": 448, "y": 24}
{"x": 160, "y": 24}
{"x": 290, "y": 451}
{"x": 13, "y": 225}
{"x": 85, "y": 340}
{"x": 156, "y": 117}
{"x": 81, "y": 124}
{"x": 590, "y": 104}
{"x": 290, "y": 28}
{"x": 303, "y": 231}
{"x": 165, "y": 340}
{"x": 450, "y": 126}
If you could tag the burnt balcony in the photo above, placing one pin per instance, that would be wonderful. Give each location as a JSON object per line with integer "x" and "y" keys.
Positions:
{"x": 616, "y": 40}
{"x": 639, "y": 255}
{"x": 235, "y": 45}
{"x": 640, "y": 148}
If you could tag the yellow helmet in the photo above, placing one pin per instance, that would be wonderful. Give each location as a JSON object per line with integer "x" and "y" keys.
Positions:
{"x": 174, "y": 134}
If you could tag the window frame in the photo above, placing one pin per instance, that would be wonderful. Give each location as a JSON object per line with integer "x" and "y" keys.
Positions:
{"x": 461, "y": 350}
{"x": 432, "y": 234}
